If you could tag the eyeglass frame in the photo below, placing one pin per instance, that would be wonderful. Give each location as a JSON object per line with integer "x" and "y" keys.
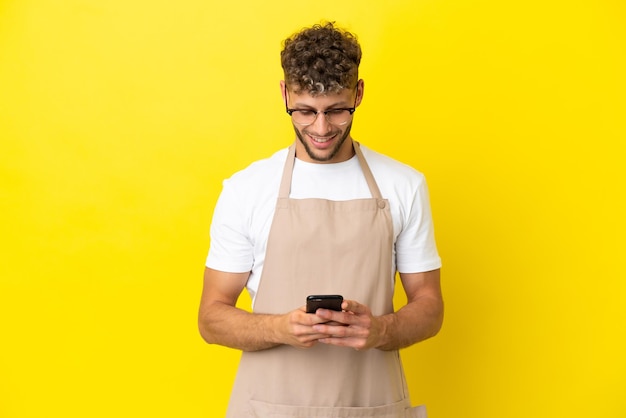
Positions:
{"x": 325, "y": 112}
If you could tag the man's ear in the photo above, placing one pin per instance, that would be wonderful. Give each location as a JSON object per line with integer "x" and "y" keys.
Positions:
{"x": 360, "y": 88}
{"x": 283, "y": 90}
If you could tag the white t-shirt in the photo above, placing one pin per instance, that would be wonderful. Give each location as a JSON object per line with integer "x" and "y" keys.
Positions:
{"x": 245, "y": 210}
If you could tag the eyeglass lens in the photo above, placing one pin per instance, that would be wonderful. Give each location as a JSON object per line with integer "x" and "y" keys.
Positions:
{"x": 333, "y": 116}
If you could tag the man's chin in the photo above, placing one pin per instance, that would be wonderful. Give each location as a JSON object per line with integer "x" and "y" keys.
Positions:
{"x": 321, "y": 154}
{"x": 322, "y": 151}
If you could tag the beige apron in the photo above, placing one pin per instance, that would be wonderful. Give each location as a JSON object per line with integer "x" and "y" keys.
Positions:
{"x": 318, "y": 246}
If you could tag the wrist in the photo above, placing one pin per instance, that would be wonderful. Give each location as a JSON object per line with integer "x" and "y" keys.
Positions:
{"x": 383, "y": 326}
{"x": 275, "y": 326}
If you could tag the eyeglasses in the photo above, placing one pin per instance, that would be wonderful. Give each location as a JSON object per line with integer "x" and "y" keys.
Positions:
{"x": 337, "y": 117}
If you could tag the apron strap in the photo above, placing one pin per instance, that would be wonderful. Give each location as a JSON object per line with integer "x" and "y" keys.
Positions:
{"x": 285, "y": 183}
{"x": 369, "y": 177}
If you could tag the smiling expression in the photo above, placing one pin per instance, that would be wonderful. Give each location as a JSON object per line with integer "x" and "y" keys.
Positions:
{"x": 322, "y": 142}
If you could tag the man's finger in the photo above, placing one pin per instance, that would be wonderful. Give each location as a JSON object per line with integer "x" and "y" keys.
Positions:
{"x": 355, "y": 307}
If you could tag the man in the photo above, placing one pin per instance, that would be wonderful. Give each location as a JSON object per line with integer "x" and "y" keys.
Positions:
{"x": 324, "y": 216}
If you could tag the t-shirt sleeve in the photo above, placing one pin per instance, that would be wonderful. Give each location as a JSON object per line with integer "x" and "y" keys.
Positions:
{"x": 231, "y": 249}
{"x": 416, "y": 250}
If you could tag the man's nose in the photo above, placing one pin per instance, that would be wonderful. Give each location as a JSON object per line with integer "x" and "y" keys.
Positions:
{"x": 321, "y": 125}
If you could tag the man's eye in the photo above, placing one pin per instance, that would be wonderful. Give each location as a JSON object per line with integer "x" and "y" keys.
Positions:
{"x": 306, "y": 112}
{"x": 336, "y": 111}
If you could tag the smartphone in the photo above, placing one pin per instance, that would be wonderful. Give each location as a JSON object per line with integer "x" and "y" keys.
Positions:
{"x": 332, "y": 302}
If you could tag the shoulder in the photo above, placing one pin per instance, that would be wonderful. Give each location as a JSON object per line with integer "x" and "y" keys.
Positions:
{"x": 260, "y": 170}
{"x": 258, "y": 177}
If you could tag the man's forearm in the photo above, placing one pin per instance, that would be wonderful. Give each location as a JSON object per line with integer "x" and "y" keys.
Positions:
{"x": 229, "y": 326}
{"x": 416, "y": 321}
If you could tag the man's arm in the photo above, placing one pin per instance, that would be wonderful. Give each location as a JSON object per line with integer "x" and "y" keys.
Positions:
{"x": 419, "y": 319}
{"x": 221, "y": 322}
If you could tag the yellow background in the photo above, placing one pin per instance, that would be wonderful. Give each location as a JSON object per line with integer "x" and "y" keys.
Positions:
{"x": 119, "y": 119}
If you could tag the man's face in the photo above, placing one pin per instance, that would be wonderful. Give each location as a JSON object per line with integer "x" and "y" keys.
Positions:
{"x": 322, "y": 142}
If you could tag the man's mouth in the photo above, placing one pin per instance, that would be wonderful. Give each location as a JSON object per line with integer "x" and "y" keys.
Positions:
{"x": 321, "y": 139}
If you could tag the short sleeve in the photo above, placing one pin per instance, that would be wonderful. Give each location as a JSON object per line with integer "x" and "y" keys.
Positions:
{"x": 416, "y": 249}
{"x": 231, "y": 248}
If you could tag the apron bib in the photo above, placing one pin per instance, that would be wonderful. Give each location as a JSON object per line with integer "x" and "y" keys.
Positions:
{"x": 318, "y": 246}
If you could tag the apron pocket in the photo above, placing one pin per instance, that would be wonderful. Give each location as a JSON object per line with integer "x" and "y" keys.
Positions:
{"x": 395, "y": 410}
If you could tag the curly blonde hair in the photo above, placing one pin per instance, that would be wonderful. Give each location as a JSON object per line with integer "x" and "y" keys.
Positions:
{"x": 321, "y": 59}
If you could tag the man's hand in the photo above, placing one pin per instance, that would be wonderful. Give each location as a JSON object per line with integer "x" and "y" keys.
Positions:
{"x": 416, "y": 321}
{"x": 298, "y": 329}
{"x": 220, "y": 321}
{"x": 355, "y": 327}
